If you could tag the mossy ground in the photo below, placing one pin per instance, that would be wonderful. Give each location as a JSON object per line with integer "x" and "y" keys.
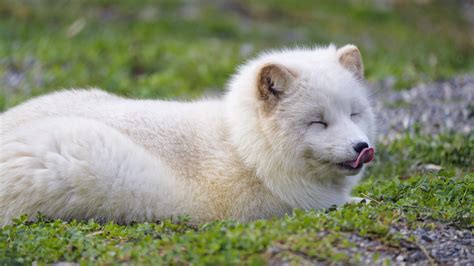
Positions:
{"x": 184, "y": 49}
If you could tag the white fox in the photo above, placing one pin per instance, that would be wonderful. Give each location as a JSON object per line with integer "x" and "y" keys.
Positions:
{"x": 294, "y": 130}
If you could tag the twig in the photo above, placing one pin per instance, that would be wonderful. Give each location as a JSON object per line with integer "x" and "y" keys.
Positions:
{"x": 427, "y": 254}
{"x": 95, "y": 233}
{"x": 371, "y": 199}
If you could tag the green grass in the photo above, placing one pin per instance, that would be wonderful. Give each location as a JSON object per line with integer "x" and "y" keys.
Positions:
{"x": 176, "y": 49}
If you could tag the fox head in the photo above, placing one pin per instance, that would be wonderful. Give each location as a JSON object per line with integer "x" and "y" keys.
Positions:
{"x": 304, "y": 112}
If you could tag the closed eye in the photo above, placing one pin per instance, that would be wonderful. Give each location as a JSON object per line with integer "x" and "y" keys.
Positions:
{"x": 320, "y": 123}
{"x": 354, "y": 114}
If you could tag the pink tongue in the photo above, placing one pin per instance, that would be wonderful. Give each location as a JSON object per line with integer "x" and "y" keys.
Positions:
{"x": 365, "y": 156}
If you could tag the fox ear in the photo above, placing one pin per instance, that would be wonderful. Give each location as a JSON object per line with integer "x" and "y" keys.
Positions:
{"x": 350, "y": 58}
{"x": 273, "y": 81}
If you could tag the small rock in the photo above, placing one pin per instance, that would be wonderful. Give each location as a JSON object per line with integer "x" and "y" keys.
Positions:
{"x": 400, "y": 258}
{"x": 426, "y": 238}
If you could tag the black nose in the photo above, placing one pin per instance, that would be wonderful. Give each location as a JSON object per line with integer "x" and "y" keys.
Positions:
{"x": 360, "y": 146}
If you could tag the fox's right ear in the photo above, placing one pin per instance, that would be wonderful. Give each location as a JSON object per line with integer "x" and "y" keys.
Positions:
{"x": 350, "y": 58}
{"x": 273, "y": 81}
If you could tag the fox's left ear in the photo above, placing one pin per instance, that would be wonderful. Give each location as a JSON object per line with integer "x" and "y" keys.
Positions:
{"x": 350, "y": 58}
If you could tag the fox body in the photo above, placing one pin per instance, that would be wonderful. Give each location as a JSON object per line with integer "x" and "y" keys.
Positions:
{"x": 293, "y": 130}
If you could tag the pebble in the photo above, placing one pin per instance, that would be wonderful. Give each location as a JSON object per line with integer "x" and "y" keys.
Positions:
{"x": 439, "y": 107}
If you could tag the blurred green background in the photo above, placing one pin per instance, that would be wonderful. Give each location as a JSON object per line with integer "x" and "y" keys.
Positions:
{"x": 180, "y": 49}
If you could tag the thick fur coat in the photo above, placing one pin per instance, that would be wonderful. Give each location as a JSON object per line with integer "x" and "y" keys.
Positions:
{"x": 282, "y": 137}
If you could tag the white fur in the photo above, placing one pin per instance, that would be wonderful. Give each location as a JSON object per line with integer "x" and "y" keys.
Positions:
{"x": 83, "y": 154}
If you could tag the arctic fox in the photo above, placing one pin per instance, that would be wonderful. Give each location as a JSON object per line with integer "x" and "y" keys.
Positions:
{"x": 294, "y": 130}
